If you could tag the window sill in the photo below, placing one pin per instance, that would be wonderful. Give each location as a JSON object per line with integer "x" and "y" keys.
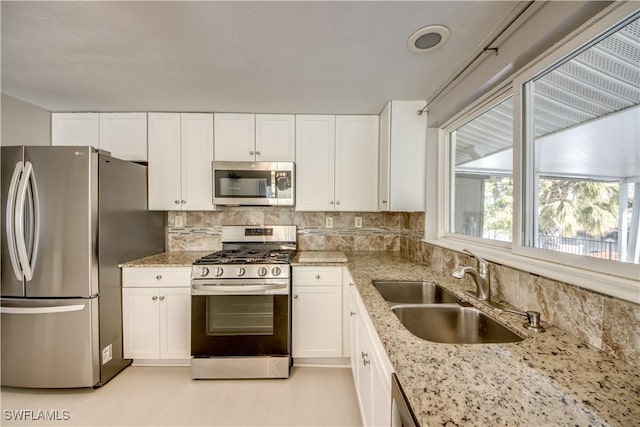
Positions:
{"x": 606, "y": 284}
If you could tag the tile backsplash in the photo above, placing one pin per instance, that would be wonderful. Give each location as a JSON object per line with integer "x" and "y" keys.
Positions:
{"x": 609, "y": 324}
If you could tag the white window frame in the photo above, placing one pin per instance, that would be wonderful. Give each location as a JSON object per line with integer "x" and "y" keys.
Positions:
{"x": 620, "y": 280}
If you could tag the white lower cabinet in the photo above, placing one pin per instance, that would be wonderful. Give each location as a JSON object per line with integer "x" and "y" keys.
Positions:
{"x": 317, "y": 312}
{"x": 371, "y": 367}
{"x": 156, "y": 311}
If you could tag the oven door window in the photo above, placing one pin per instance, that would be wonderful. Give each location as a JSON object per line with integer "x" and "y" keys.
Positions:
{"x": 240, "y": 315}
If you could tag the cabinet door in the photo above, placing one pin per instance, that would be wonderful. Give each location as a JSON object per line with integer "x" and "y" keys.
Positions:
{"x": 380, "y": 395}
{"x": 364, "y": 380}
{"x": 315, "y": 145}
{"x": 356, "y": 187}
{"x": 385, "y": 157}
{"x": 317, "y": 321}
{"x": 124, "y": 135}
{"x": 234, "y": 137}
{"x": 141, "y": 330}
{"x": 175, "y": 323}
{"x": 75, "y": 129}
{"x": 197, "y": 155}
{"x": 164, "y": 162}
{"x": 275, "y": 138}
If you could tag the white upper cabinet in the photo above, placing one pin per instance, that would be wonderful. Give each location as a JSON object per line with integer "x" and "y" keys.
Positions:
{"x": 403, "y": 153}
{"x": 315, "y": 152}
{"x": 124, "y": 135}
{"x": 234, "y": 137}
{"x": 275, "y": 138}
{"x": 180, "y": 156}
{"x": 336, "y": 163}
{"x": 356, "y": 163}
{"x": 254, "y": 137}
{"x": 75, "y": 129}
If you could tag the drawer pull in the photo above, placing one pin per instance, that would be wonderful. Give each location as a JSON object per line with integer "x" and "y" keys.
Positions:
{"x": 318, "y": 276}
{"x": 158, "y": 277}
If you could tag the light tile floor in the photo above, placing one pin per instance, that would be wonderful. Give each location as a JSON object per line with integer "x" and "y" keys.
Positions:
{"x": 166, "y": 396}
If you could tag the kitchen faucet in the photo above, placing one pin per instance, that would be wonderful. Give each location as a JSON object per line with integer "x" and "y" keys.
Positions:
{"x": 480, "y": 277}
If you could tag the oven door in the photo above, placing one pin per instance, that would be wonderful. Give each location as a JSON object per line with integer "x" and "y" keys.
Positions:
{"x": 240, "y": 323}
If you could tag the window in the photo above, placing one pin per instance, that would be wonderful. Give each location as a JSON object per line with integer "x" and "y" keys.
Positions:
{"x": 582, "y": 145}
{"x": 481, "y": 193}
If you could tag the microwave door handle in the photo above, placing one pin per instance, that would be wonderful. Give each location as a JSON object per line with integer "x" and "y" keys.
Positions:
{"x": 10, "y": 222}
{"x": 21, "y": 201}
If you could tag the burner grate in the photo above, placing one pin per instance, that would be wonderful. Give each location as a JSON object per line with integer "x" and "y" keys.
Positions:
{"x": 248, "y": 256}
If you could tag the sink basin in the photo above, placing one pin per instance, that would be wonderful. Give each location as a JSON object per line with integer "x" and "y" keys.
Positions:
{"x": 413, "y": 292}
{"x": 453, "y": 324}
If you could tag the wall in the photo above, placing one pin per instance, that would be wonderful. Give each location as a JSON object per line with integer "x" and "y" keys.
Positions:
{"x": 23, "y": 123}
{"x": 380, "y": 230}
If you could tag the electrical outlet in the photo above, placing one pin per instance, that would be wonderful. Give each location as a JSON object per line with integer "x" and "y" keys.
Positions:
{"x": 358, "y": 222}
{"x": 178, "y": 221}
{"x": 329, "y": 222}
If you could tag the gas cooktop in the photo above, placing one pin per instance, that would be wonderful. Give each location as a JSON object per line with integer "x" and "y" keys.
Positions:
{"x": 248, "y": 256}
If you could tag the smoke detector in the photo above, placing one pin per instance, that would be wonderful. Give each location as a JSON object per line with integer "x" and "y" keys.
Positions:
{"x": 428, "y": 38}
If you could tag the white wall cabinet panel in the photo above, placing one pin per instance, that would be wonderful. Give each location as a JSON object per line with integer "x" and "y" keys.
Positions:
{"x": 315, "y": 152}
{"x": 165, "y": 166}
{"x": 156, "y": 318}
{"x": 234, "y": 137}
{"x": 317, "y": 312}
{"x": 275, "y": 138}
{"x": 197, "y": 155}
{"x": 356, "y": 163}
{"x": 75, "y": 129}
{"x": 124, "y": 135}
{"x": 180, "y": 156}
{"x": 403, "y": 156}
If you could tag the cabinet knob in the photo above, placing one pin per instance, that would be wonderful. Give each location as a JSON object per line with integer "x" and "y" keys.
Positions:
{"x": 295, "y": 296}
{"x": 177, "y": 202}
{"x": 363, "y": 354}
{"x": 158, "y": 277}
{"x": 251, "y": 153}
{"x": 351, "y": 284}
{"x": 331, "y": 202}
{"x": 183, "y": 202}
{"x": 317, "y": 277}
{"x": 257, "y": 153}
{"x": 338, "y": 202}
{"x": 352, "y": 313}
{"x": 154, "y": 298}
{"x": 365, "y": 362}
{"x": 161, "y": 298}
{"x": 384, "y": 202}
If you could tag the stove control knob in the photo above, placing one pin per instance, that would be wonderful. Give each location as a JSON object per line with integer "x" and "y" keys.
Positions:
{"x": 262, "y": 271}
{"x": 241, "y": 271}
{"x": 219, "y": 271}
{"x": 276, "y": 271}
{"x": 204, "y": 272}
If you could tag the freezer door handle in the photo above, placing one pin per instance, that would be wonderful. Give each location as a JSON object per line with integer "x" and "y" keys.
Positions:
{"x": 42, "y": 310}
{"x": 10, "y": 224}
{"x": 21, "y": 200}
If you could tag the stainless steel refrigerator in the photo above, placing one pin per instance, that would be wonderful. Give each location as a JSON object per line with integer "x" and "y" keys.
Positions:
{"x": 70, "y": 215}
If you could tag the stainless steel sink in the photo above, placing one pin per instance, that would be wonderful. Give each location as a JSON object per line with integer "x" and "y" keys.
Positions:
{"x": 453, "y": 324}
{"x": 413, "y": 292}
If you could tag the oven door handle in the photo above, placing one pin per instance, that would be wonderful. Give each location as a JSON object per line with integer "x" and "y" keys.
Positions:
{"x": 225, "y": 289}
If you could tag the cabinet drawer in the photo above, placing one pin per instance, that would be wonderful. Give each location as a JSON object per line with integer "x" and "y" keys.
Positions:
{"x": 156, "y": 277}
{"x": 317, "y": 276}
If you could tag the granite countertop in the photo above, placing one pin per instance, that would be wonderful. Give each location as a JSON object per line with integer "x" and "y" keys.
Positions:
{"x": 319, "y": 257}
{"x": 548, "y": 379}
{"x": 167, "y": 259}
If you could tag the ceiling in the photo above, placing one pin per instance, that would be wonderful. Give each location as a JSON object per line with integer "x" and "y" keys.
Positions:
{"x": 296, "y": 57}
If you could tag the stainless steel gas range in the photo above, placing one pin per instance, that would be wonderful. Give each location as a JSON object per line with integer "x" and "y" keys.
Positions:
{"x": 241, "y": 307}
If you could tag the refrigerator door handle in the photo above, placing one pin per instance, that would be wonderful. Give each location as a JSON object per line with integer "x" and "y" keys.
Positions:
{"x": 10, "y": 224}
{"x": 21, "y": 244}
{"x": 42, "y": 310}
{"x": 35, "y": 230}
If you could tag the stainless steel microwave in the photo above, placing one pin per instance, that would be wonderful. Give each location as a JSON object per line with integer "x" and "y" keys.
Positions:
{"x": 253, "y": 183}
